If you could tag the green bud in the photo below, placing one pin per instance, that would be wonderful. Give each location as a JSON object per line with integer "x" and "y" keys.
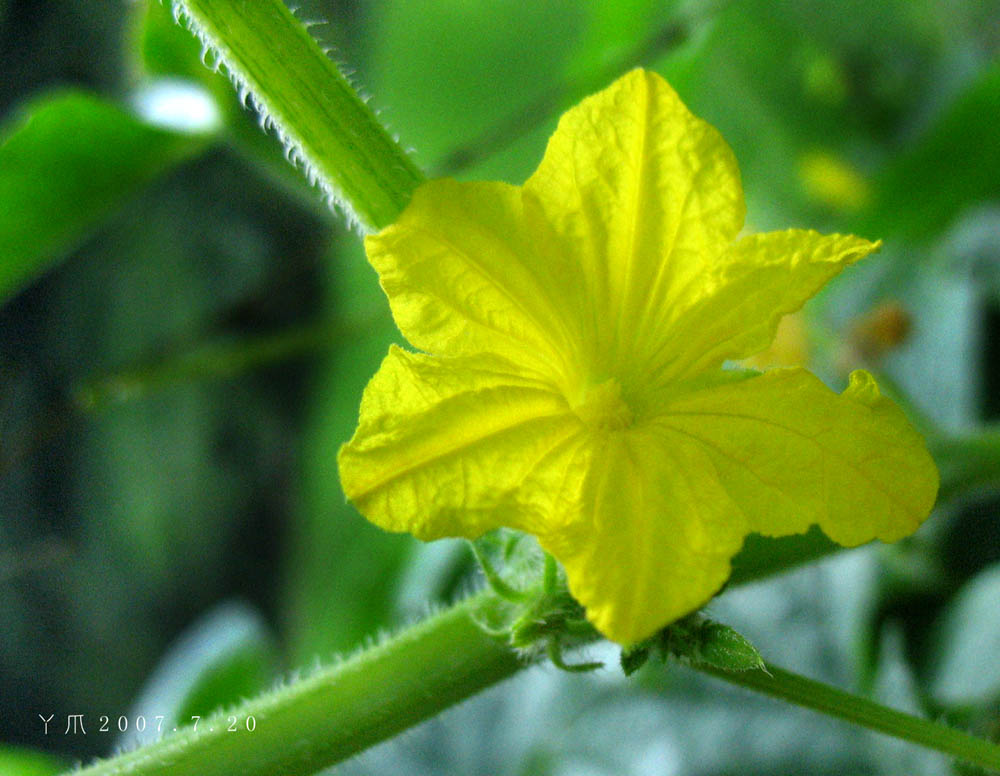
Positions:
{"x": 722, "y": 647}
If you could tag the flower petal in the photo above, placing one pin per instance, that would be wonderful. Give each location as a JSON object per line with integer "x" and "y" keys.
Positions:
{"x": 760, "y": 279}
{"x": 643, "y": 197}
{"x": 461, "y": 277}
{"x": 665, "y": 505}
{"x": 792, "y": 453}
{"x": 456, "y": 446}
{"x": 653, "y": 536}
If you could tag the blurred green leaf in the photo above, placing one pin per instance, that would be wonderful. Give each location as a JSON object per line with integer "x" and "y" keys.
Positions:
{"x": 243, "y": 671}
{"x": 178, "y": 499}
{"x": 343, "y": 572}
{"x": 66, "y": 162}
{"x": 947, "y": 332}
{"x": 449, "y": 70}
{"x": 23, "y": 762}
{"x": 225, "y": 656}
{"x": 764, "y": 556}
{"x": 965, "y": 668}
{"x": 954, "y": 165}
{"x": 968, "y": 463}
{"x": 620, "y": 36}
{"x": 613, "y": 28}
{"x": 896, "y": 686}
{"x": 164, "y": 48}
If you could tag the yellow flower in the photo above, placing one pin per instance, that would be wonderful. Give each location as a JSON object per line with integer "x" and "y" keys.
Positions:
{"x": 574, "y": 332}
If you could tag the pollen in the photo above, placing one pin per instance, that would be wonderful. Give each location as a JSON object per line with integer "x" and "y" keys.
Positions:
{"x": 602, "y": 408}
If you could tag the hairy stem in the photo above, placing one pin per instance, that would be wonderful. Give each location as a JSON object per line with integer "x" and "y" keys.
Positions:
{"x": 338, "y": 711}
{"x": 343, "y": 709}
{"x": 325, "y": 126}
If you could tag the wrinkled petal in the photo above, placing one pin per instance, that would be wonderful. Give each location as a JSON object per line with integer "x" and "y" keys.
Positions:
{"x": 642, "y": 197}
{"x": 652, "y": 537}
{"x": 456, "y": 447}
{"x": 761, "y": 278}
{"x": 664, "y": 506}
{"x": 461, "y": 278}
{"x": 792, "y": 453}
{"x": 578, "y": 325}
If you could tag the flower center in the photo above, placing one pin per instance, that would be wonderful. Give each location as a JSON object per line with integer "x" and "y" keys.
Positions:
{"x": 601, "y": 407}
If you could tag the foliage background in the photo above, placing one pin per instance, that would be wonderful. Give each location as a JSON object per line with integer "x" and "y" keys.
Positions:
{"x": 188, "y": 330}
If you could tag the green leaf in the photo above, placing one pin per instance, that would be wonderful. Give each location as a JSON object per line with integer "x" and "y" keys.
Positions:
{"x": 164, "y": 48}
{"x": 968, "y": 640}
{"x": 968, "y": 462}
{"x": 764, "y": 556}
{"x": 952, "y": 167}
{"x": 223, "y": 658}
{"x": 25, "y": 762}
{"x": 344, "y": 574}
{"x": 449, "y": 71}
{"x": 67, "y": 162}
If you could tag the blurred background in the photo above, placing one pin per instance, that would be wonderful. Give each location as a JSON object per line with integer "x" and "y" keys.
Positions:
{"x": 186, "y": 330}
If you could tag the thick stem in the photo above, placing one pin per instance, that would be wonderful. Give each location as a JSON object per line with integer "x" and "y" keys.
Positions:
{"x": 342, "y": 710}
{"x": 338, "y": 711}
{"x": 833, "y": 702}
{"x": 325, "y": 126}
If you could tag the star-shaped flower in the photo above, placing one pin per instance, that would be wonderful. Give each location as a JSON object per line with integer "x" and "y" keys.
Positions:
{"x": 571, "y": 383}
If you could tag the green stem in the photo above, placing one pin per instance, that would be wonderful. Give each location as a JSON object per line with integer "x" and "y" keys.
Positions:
{"x": 343, "y": 709}
{"x": 207, "y": 361}
{"x": 779, "y": 683}
{"x": 324, "y": 125}
{"x": 338, "y": 711}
